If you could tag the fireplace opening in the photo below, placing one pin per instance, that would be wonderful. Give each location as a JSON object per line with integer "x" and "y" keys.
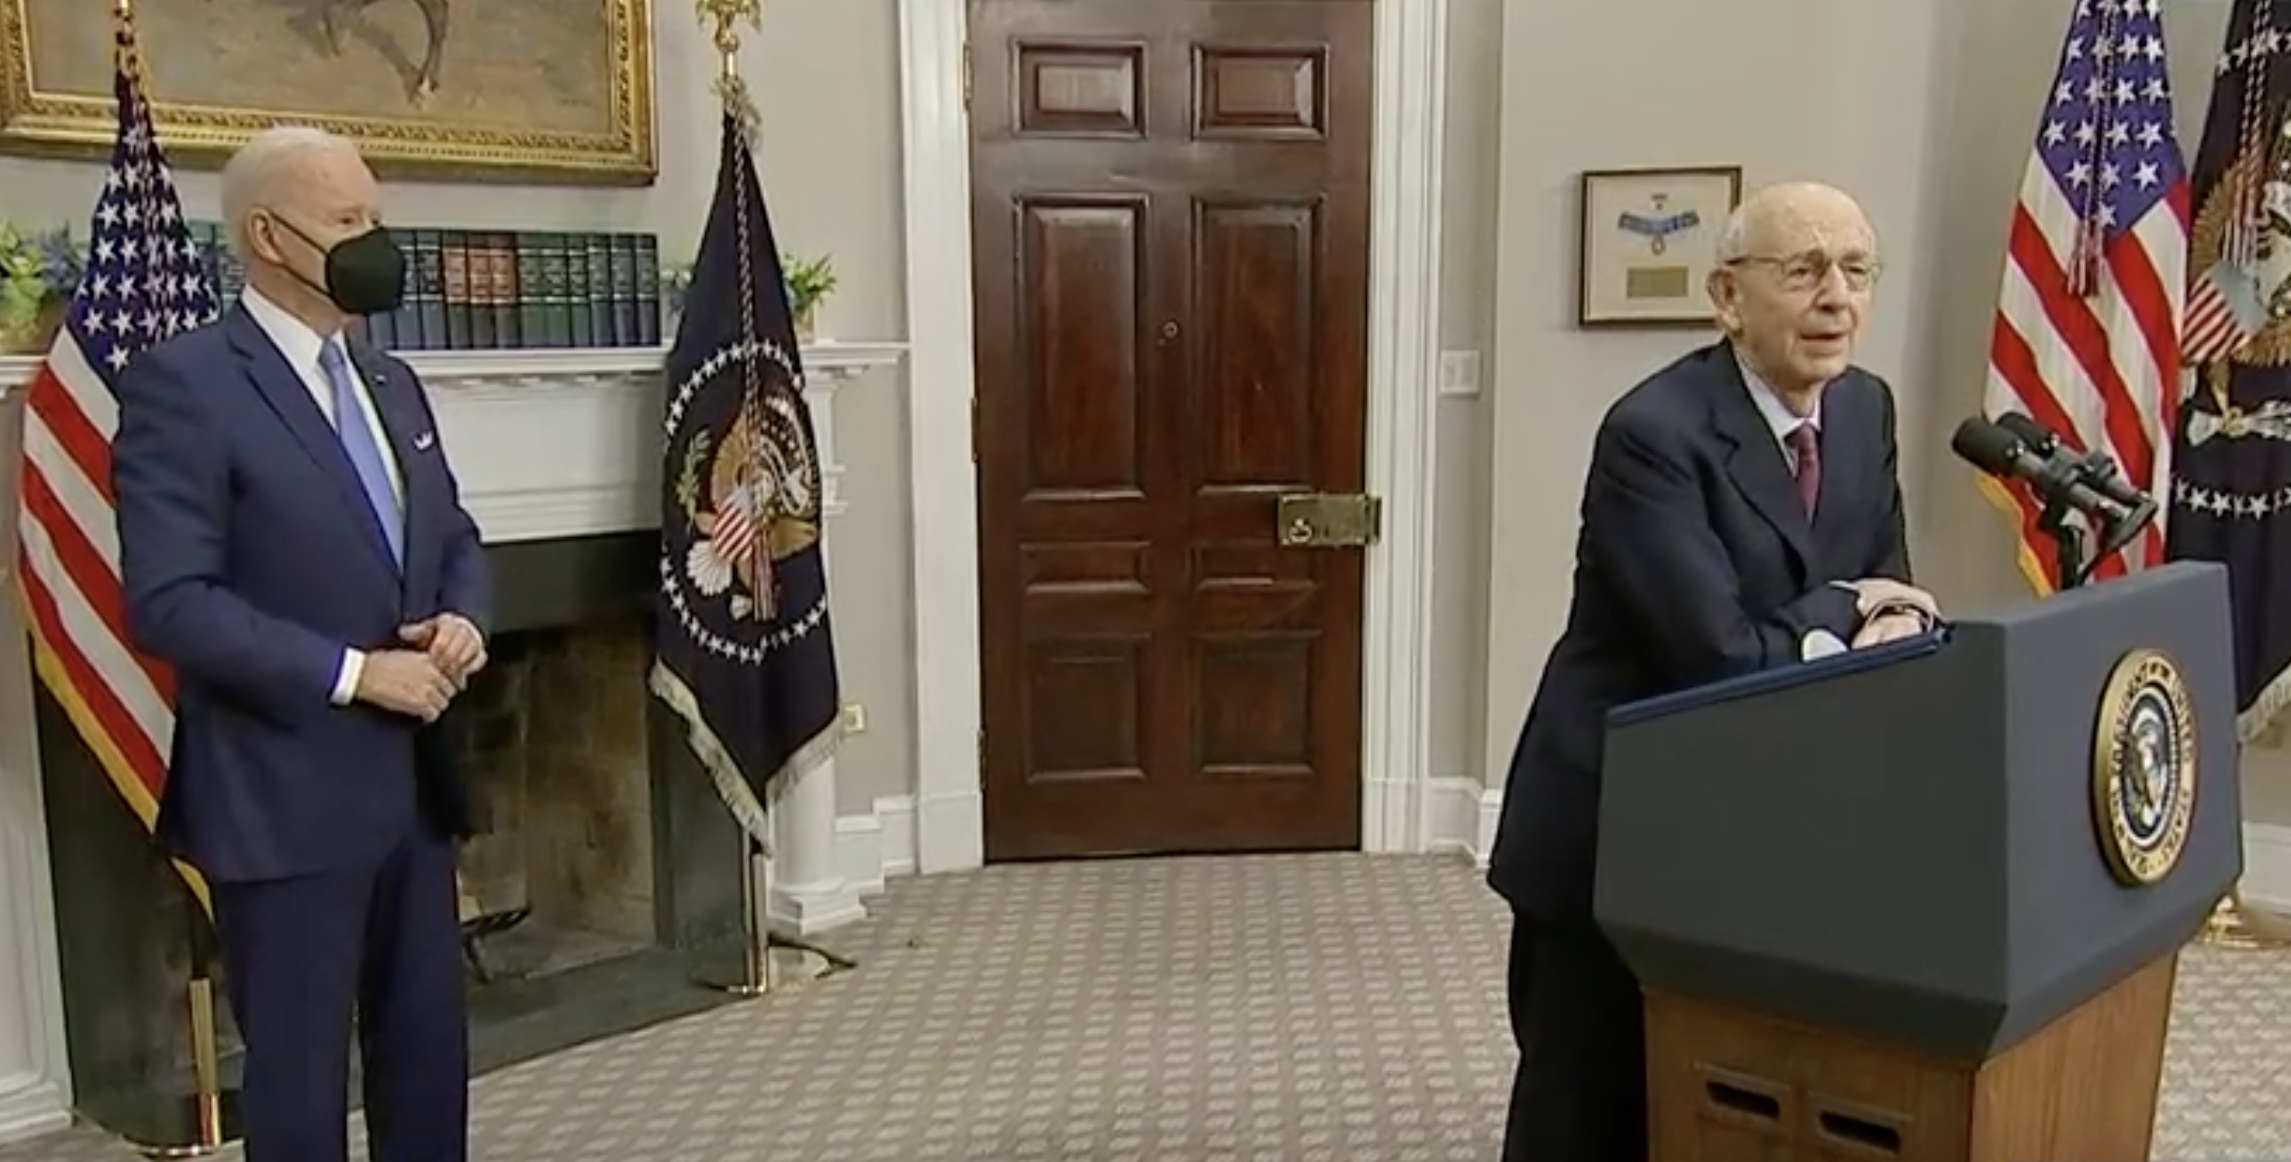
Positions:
{"x": 554, "y": 750}
{"x": 604, "y": 881}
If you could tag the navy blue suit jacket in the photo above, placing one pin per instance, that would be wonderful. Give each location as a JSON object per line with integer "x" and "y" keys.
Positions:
{"x": 1695, "y": 562}
{"x": 251, "y": 558}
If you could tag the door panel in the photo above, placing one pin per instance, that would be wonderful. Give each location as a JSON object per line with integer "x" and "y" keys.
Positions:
{"x": 1171, "y": 228}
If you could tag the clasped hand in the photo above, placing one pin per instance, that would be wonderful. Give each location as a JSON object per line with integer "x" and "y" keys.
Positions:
{"x": 420, "y": 681}
{"x": 1879, "y": 593}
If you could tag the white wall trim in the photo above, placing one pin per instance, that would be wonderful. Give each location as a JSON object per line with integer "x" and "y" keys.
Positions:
{"x": 598, "y": 468}
{"x": 2266, "y": 883}
{"x": 35, "y": 1078}
{"x": 876, "y": 847}
{"x": 1403, "y": 377}
{"x": 949, "y": 826}
{"x": 1460, "y": 817}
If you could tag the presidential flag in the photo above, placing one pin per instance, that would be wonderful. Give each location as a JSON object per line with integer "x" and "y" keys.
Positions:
{"x": 145, "y": 281}
{"x": 2087, "y": 339}
{"x": 745, "y": 651}
{"x": 2233, "y": 461}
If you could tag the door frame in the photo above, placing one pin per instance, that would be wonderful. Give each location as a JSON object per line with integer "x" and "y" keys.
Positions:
{"x": 1405, "y": 192}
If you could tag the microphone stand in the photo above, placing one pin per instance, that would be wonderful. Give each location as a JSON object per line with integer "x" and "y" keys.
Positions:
{"x": 2070, "y": 556}
{"x": 2067, "y": 540}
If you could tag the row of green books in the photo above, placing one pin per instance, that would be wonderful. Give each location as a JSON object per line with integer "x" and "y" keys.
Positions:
{"x": 490, "y": 290}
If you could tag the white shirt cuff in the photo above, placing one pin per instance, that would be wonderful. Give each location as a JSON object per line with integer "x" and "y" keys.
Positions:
{"x": 346, "y": 678}
{"x": 1820, "y": 644}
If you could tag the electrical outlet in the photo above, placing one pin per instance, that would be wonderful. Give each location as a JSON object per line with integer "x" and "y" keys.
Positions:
{"x": 1460, "y": 374}
{"x": 854, "y": 718}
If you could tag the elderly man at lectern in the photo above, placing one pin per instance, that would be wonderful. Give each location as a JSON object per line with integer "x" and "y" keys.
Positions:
{"x": 1742, "y": 511}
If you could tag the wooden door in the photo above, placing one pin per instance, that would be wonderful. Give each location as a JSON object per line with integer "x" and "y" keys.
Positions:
{"x": 1170, "y": 210}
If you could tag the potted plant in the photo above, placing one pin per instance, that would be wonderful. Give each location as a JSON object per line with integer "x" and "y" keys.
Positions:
{"x": 810, "y": 281}
{"x": 675, "y": 284}
{"x": 38, "y": 273}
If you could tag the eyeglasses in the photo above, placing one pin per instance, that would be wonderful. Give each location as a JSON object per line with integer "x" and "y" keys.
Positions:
{"x": 1805, "y": 272}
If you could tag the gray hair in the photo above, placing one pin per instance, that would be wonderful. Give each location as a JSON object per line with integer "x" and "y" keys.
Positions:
{"x": 253, "y": 172}
{"x": 1734, "y": 236}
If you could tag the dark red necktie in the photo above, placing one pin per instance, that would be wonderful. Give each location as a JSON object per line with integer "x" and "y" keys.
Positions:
{"x": 1806, "y": 445}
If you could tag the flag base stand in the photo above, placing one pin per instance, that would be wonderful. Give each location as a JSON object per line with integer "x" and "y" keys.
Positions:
{"x": 211, "y": 1112}
{"x": 2228, "y": 927}
{"x": 214, "y": 1124}
{"x": 769, "y": 962}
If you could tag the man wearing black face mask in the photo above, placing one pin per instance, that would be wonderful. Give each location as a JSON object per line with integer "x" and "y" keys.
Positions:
{"x": 293, "y": 544}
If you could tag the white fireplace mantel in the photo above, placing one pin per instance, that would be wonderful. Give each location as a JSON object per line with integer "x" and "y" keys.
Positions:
{"x": 566, "y": 443}
{"x": 35, "y": 1081}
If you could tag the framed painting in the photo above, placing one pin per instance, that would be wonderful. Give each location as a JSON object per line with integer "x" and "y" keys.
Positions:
{"x": 1648, "y": 237}
{"x": 551, "y": 91}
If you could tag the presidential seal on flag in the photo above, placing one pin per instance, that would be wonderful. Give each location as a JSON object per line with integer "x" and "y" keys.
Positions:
{"x": 2239, "y": 308}
{"x": 750, "y": 494}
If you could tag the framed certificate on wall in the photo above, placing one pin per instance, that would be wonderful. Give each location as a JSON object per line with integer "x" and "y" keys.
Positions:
{"x": 1647, "y": 241}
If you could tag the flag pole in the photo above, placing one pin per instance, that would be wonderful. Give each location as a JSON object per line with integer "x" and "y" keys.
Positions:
{"x": 208, "y": 1111}
{"x": 756, "y": 974}
{"x": 208, "y": 1106}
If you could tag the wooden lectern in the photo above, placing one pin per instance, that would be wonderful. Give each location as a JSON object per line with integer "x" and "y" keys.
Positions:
{"x": 1924, "y": 902}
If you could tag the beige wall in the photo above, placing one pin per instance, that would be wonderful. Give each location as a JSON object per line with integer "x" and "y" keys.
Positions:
{"x": 1925, "y": 108}
{"x": 826, "y": 75}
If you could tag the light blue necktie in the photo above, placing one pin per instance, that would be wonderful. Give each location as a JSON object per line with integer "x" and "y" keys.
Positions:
{"x": 365, "y": 455}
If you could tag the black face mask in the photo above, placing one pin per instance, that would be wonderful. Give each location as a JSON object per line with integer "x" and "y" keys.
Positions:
{"x": 365, "y": 274}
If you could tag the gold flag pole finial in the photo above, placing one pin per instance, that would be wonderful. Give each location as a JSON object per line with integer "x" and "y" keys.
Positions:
{"x": 124, "y": 51}
{"x": 726, "y": 14}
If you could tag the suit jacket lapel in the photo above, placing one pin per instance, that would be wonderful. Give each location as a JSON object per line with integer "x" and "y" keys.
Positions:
{"x": 1755, "y": 461}
{"x": 287, "y": 395}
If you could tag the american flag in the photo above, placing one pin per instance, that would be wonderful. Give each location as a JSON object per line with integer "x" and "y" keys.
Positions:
{"x": 145, "y": 281}
{"x": 2087, "y": 335}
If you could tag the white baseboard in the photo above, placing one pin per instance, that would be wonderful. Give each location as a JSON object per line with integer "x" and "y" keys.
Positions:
{"x": 32, "y": 1111}
{"x": 2267, "y": 868}
{"x": 876, "y": 846}
{"x": 1460, "y": 816}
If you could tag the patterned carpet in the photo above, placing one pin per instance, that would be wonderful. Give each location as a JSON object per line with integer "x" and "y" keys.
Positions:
{"x": 1292, "y": 1008}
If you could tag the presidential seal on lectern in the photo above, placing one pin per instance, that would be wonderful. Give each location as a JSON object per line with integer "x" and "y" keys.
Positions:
{"x": 2144, "y": 767}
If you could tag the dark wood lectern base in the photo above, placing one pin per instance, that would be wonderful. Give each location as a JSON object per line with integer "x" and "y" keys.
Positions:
{"x": 1726, "y": 1085}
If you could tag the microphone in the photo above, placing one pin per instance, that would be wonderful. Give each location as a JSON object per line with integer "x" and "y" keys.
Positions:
{"x": 2097, "y": 470}
{"x": 2017, "y": 447}
{"x": 1999, "y": 451}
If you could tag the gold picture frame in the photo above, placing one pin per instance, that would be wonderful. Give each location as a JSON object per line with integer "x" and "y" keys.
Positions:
{"x": 618, "y": 151}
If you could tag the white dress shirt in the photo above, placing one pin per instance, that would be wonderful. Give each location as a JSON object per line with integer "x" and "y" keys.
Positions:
{"x": 1780, "y": 420}
{"x": 302, "y": 347}
{"x": 1778, "y": 416}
